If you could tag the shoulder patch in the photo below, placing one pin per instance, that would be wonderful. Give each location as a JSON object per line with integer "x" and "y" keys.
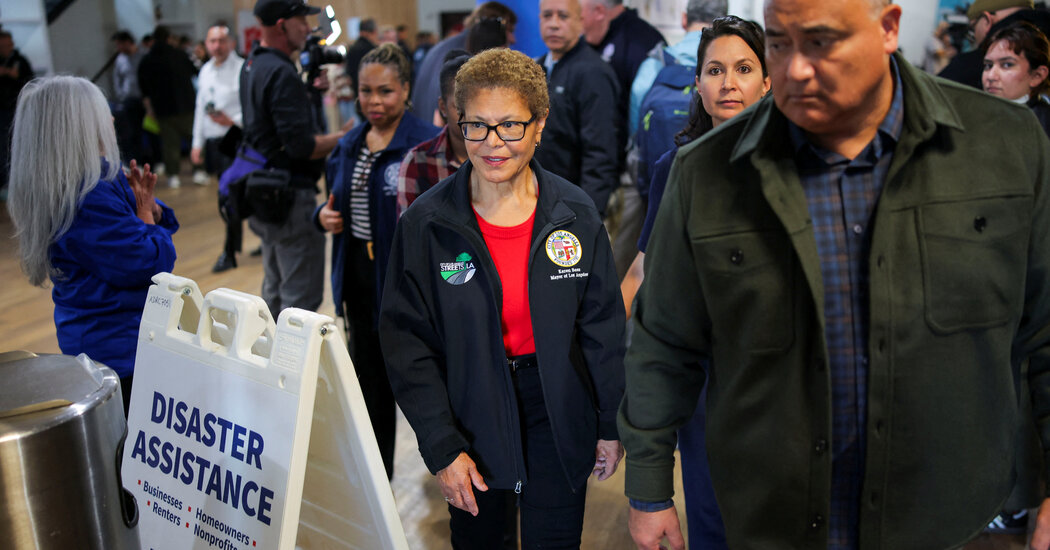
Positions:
{"x": 460, "y": 271}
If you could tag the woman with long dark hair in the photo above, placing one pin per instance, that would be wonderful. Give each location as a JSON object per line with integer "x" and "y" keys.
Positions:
{"x": 730, "y": 76}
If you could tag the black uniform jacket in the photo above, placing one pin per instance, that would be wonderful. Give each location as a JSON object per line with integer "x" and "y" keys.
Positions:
{"x": 582, "y": 137}
{"x": 440, "y": 330}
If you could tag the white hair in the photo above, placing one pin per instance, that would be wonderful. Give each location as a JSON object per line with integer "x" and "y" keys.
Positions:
{"x": 62, "y": 130}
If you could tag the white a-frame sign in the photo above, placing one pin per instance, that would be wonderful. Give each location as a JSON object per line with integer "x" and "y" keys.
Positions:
{"x": 244, "y": 433}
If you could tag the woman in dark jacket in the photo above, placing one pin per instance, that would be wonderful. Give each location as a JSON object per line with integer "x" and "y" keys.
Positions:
{"x": 729, "y": 43}
{"x": 1016, "y": 67}
{"x": 502, "y": 324}
{"x": 361, "y": 213}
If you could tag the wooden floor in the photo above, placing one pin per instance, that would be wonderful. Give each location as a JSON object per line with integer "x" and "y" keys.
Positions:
{"x": 26, "y": 323}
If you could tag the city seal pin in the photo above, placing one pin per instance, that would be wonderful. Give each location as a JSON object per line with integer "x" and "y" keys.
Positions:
{"x": 459, "y": 271}
{"x": 563, "y": 248}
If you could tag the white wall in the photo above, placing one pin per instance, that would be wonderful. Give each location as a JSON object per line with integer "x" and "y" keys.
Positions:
{"x": 918, "y": 21}
{"x": 210, "y": 11}
{"x": 429, "y": 10}
{"x": 80, "y": 42}
{"x": 135, "y": 16}
{"x": 27, "y": 23}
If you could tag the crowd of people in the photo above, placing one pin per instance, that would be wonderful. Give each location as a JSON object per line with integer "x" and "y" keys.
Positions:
{"x": 820, "y": 274}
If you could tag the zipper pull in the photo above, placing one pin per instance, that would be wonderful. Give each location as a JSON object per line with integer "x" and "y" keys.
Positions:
{"x": 517, "y": 487}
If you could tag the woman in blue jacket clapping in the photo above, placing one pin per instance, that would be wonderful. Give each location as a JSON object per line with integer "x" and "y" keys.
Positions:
{"x": 98, "y": 235}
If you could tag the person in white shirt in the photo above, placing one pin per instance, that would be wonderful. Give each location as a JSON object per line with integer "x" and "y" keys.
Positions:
{"x": 218, "y": 99}
{"x": 218, "y": 109}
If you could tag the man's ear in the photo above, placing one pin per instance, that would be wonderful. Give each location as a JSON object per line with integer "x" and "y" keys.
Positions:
{"x": 890, "y": 23}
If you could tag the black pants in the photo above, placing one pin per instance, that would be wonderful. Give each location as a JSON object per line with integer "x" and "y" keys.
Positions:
{"x": 128, "y": 122}
{"x": 359, "y": 309}
{"x": 125, "y": 391}
{"x": 551, "y": 512}
{"x": 7, "y": 118}
{"x": 215, "y": 162}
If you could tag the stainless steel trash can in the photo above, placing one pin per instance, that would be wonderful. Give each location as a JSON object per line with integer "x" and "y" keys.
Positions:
{"x": 62, "y": 432}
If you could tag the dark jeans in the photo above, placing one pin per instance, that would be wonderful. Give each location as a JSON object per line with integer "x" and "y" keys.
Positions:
{"x": 359, "y": 309}
{"x": 701, "y": 509}
{"x": 551, "y": 511}
{"x": 127, "y": 118}
{"x": 7, "y": 118}
{"x": 216, "y": 163}
{"x": 125, "y": 392}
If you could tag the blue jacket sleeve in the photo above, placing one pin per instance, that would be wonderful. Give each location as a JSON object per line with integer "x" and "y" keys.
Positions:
{"x": 108, "y": 238}
{"x": 661, "y": 170}
{"x": 334, "y": 171}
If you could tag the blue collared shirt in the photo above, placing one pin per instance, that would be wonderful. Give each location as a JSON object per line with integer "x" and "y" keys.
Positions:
{"x": 842, "y": 195}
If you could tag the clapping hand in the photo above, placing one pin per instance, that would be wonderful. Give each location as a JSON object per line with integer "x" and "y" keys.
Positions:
{"x": 142, "y": 183}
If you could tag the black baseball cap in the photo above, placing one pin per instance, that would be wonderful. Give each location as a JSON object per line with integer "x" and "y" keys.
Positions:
{"x": 269, "y": 11}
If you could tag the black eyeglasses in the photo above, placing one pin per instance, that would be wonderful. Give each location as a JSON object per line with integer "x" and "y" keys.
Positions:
{"x": 508, "y": 130}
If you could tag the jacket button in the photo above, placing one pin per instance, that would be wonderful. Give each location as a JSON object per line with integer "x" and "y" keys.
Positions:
{"x": 737, "y": 257}
{"x": 816, "y": 522}
{"x": 878, "y": 428}
{"x": 820, "y": 446}
{"x": 880, "y": 261}
{"x": 979, "y": 223}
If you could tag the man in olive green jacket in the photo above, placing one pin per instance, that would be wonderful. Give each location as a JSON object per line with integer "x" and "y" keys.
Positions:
{"x": 957, "y": 292}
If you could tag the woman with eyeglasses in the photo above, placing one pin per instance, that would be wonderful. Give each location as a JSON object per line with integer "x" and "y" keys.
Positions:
{"x": 361, "y": 212}
{"x": 502, "y": 322}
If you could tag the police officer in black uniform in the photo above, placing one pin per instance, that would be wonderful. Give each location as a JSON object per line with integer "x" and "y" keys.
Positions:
{"x": 282, "y": 121}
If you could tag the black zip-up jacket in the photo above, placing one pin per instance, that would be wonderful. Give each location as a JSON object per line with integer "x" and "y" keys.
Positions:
{"x": 440, "y": 331}
{"x": 581, "y": 141}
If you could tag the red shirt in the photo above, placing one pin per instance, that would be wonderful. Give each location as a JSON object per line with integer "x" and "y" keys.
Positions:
{"x": 509, "y": 248}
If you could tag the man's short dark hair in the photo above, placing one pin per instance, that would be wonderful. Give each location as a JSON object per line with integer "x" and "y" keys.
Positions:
{"x": 367, "y": 25}
{"x": 161, "y": 34}
{"x": 7, "y": 35}
{"x": 705, "y": 11}
{"x": 123, "y": 36}
{"x": 454, "y": 59}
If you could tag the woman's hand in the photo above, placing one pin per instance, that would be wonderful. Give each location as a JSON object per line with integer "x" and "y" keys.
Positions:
{"x": 331, "y": 219}
{"x": 456, "y": 480}
{"x": 142, "y": 183}
{"x": 605, "y": 452}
